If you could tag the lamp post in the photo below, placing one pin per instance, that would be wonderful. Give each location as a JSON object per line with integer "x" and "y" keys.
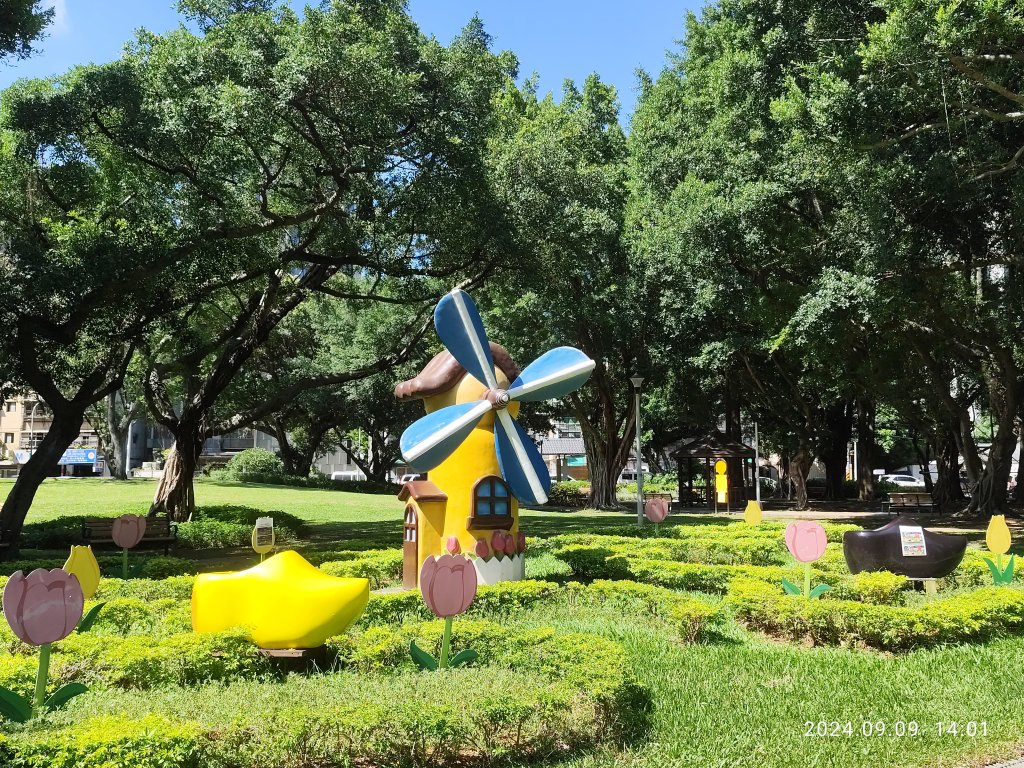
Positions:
{"x": 757, "y": 465}
{"x": 32, "y": 428}
{"x": 637, "y": 381}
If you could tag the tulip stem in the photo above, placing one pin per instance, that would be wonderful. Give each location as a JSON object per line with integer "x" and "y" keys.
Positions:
{"x": 446, "y": 643}
{"x": 42, "y": 675}
{"x": 124, "y": 562}
{"x": 999, "y": 561}
{"x": 807, "y": 579}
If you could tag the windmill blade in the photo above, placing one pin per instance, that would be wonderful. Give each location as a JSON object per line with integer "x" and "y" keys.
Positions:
{"x": 556, "y": 373}
{"x": 520, "y": 461}
{"x": 431, "y": 439}
{"x": 458, "y": 323}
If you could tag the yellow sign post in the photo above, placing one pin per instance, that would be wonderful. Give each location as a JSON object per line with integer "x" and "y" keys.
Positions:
{"x": 721, "y": 484}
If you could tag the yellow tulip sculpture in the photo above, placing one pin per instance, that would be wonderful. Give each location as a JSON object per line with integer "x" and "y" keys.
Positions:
{"x": 752, "y": 514}
{"x": 997, "y": 537}
{"x": 81, "y": 563}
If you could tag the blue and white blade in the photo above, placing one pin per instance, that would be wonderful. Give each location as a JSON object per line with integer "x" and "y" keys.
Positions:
{"x": 554, "y": 374}
{"x": 520, "y": 461}
{"x": 430, "y": 440}
{"x": 460, "y": 328}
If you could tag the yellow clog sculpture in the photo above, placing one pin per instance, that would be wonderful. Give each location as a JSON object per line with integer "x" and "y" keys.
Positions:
{"x": 284, "y": 602}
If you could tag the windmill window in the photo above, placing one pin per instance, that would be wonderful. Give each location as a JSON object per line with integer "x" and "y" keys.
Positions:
{"x": 492, "y": 505}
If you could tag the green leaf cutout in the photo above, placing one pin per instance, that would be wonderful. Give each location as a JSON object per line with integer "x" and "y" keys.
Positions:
{"x": 997, "y": 577}
{"x": 464, "y": 656}
{"x": 90, "y": 618}
{"x": 790, "y": 587}
{"x": 423, "y": 659}
{"x": 1008, "y": 573}
{"x": 136, "y": 568}
{"x": 819, "y": 590}
{"x": 64, "y": 694}
{"x": 14, "y": 707}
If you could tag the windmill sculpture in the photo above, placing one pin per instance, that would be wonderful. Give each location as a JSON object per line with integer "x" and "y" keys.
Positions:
{"x": 481, "y": 462}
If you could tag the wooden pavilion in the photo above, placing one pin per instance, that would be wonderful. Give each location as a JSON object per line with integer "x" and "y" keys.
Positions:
{"x": 700, "y": 454}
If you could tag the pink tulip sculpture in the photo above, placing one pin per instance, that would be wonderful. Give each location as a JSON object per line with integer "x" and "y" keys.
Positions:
{"x": 448, "y": 586}
{"x": 806, "y": 541}
{"x": 656, "y": 510}
{"x": 127, "y": 531}
{"x": 41, "y": 608}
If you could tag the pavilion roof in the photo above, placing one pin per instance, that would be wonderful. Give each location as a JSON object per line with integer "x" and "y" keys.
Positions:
{"x": 713, "y": 445}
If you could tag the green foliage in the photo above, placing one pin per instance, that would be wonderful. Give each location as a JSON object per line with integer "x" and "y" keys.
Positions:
{"x": 230, "y": 525}
{"x": 975, "y": 616}
{"x": 569, "y": 493}
{"x": 253, "y": 462}
{"x": 383, "y": 567}
{"x": 881, "y": 587}
{"x": 102, "y": 742}
{"x": 21, "y": 26}
{"x": 498, "y": 599}
{"x": 695, "y": 619}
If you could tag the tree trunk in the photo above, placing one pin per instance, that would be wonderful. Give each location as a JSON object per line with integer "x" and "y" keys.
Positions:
{"x": 63, "y": 431}
{"x": 967, "y": 447}
{"x": 947, "y": 493}
{"x": 839, "y": 428}
{"x": 799, "y": 466}
{"x": 989, "y": 495}
{"x": 866, "y": 449}
{"x": 290, "y": 455}
{"x": 118, "y": 428}
{"x": 175, "y": 495}
{"x": 606, "y": 457}
{"x": 604, "y": 477}
{"x": 925, "y": 461}
{"x": 1018, "y": 488}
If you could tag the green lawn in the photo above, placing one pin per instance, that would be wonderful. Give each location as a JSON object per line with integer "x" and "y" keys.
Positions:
{"x": 740, "y": 700}
{"x": 333, "y": 515}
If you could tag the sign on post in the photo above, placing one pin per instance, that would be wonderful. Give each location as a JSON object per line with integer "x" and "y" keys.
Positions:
{"x": 263, "y": 535}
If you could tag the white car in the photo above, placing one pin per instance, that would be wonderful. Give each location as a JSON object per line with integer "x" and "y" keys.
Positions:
{"x": 904, "y": 481}
{"x": 408, "y": 478}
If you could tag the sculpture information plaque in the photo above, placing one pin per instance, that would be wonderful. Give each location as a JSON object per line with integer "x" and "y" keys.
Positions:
{"x": 912, "y": 541}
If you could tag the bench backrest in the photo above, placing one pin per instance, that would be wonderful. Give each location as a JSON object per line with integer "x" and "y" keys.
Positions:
{"x": 100, "y": 528}
{"x": 910, "y": 499}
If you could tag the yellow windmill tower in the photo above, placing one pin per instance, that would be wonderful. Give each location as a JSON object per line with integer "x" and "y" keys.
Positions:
{"x": 481, "y": 462}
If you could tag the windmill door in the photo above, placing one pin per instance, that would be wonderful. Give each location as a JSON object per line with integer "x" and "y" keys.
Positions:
{"x": 410, "y": 558}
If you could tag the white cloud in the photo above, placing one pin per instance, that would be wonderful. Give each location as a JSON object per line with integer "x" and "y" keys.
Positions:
{"x": 60, "y": 24}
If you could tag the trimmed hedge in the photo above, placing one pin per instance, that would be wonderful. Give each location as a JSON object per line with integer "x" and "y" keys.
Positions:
{"x": 541, "y": 694}
{"x": 383, "y": 567}
{"x": 151, "y": 741}
{"x": 139, "y": 661}
{"x": 972, "y": 616}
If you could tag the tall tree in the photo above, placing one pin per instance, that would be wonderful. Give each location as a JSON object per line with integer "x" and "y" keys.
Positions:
{"x": 560, "y": 168}
{"x": 384, "y": 130}
{"x": 21, "y": 25}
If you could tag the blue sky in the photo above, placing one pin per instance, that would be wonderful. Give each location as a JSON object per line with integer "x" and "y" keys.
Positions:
{"x": 559, "y": 39}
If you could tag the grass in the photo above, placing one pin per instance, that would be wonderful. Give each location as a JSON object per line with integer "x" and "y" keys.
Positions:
{"x": 741, "y": 700}
{"x": 744, "y": 701}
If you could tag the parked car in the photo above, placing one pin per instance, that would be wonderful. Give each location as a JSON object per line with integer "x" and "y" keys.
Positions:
{"x": 409, "y": 478}
{"x": 904, "y": 481}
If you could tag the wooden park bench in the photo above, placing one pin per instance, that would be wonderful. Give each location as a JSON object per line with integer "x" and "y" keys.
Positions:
{"x": 902, "y": 503}
{"x": 160, "y": 531}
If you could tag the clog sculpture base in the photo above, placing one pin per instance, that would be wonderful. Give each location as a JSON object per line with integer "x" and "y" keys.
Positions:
{"x": 284, "y": 602}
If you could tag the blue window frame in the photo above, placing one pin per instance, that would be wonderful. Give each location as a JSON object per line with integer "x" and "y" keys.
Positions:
{"x": 492, "y": 504}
